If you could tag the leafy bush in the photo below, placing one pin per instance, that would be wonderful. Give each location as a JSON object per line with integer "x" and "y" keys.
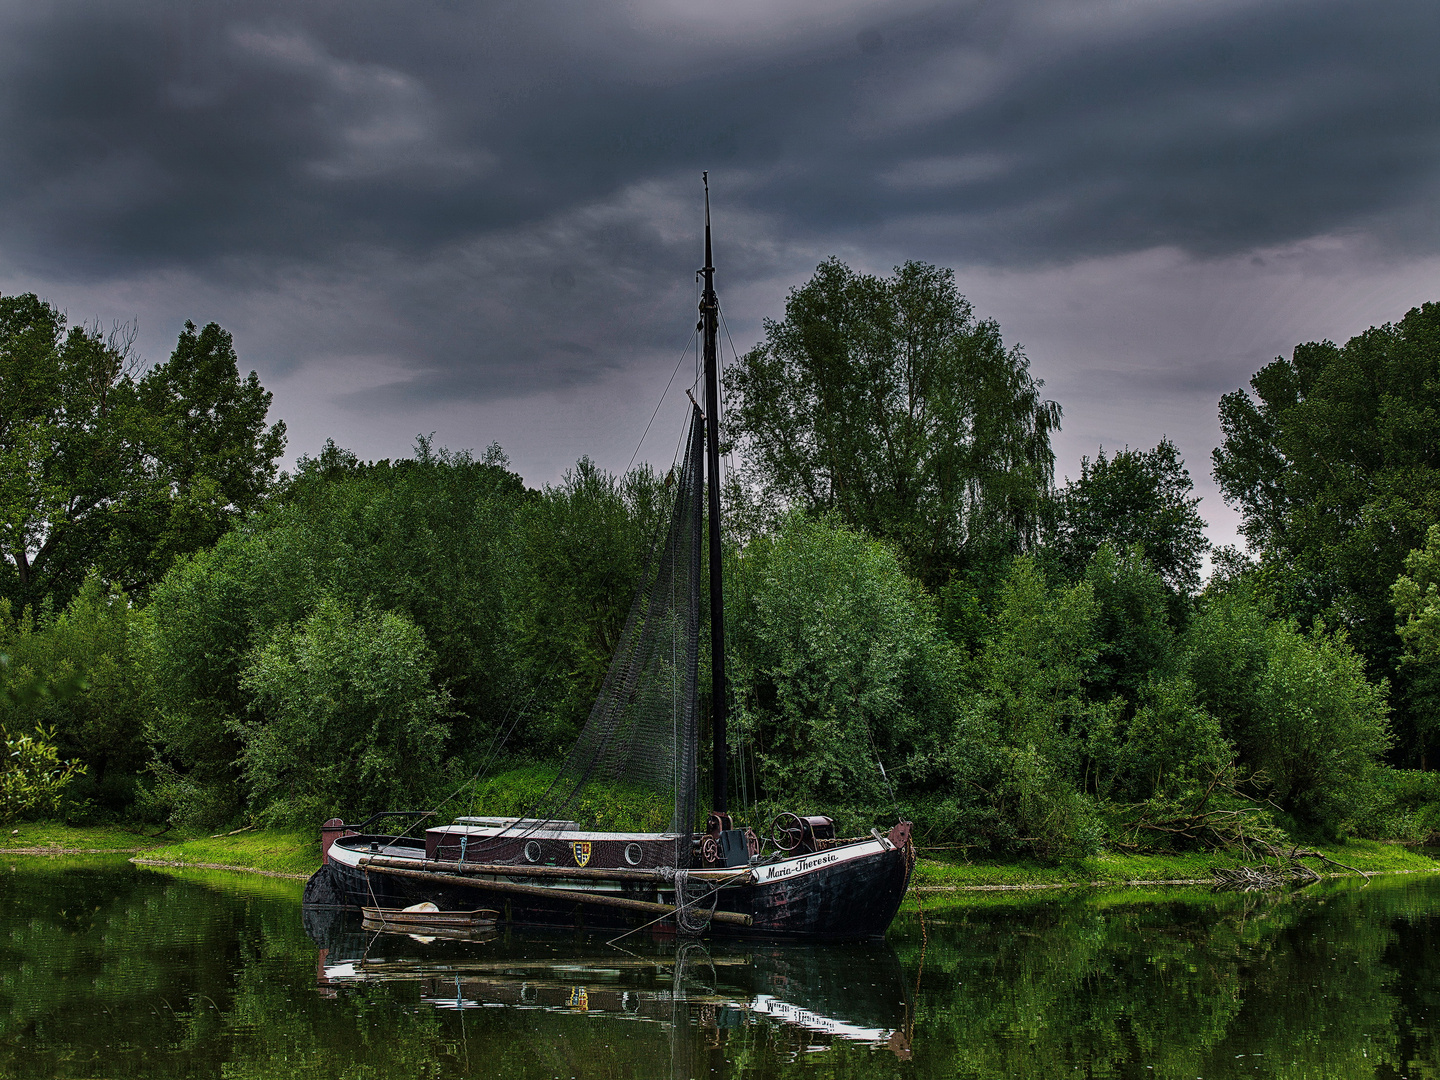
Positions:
{"x": 32, "y": 775}
{"x": 423, "y": 539}
{"x": 836, "y": 659}
{"x": 1416, "y": 596}
{"x": 1132, "y": 623}
{"x": 1030, "y": 718}
{"x": 1401, "y": 804}
{"x": 1297, "y": 707}
{"x": 345, "y": 719}
{"x": 88, "y": 689}
{"x": 1170, "y": 748}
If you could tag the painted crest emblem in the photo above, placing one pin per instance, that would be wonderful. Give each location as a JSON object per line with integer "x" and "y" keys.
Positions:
{"x": 581, "y": 848}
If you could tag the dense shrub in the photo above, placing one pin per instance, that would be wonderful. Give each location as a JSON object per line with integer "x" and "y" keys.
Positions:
{"x": 424, "y": 540}
{"x": 1298, "y": 708}
{"x": 576, "y": 553}
{"x": 345, "y": 717}
{"x": 90, "y": 695}
{"x": 1029, "y": 719}
{"x": 836, "y": 661}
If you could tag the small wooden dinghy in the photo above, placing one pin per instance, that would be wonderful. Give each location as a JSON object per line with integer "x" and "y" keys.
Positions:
{"x": 428, "y": 917}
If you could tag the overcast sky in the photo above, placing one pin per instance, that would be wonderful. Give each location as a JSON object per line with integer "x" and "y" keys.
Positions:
{"x": 482, "y": 219}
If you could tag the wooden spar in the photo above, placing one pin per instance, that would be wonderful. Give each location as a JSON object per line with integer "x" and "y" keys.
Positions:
{"x": 598, "y": 899}
{"x": 523, "y": 870}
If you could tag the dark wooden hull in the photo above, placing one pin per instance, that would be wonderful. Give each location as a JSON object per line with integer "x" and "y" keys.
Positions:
{"x": 849, "y": 893}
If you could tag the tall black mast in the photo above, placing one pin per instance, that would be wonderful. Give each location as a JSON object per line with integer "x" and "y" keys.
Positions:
{"x": 710, "y": 324}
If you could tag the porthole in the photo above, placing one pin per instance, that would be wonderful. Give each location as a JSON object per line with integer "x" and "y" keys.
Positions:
{"x": 532, "y": 851}
{"x": 633, "y": 854}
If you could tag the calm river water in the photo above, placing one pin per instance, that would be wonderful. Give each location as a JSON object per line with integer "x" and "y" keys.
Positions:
{"x": 109, "y": 970}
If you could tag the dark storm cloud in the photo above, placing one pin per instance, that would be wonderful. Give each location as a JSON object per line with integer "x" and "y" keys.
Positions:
{"x": 1214, "y": 134}
{"x": 493, "y": 197}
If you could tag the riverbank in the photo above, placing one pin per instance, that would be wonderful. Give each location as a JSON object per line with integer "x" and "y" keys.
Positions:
{"x": 297, "y": 853}
{"x": 292, "y": 853}
{"x": 937, "y": 875}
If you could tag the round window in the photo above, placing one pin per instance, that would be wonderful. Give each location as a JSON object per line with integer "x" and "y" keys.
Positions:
{"x": 633, "y": 854}
{"x": 532, "y": 851}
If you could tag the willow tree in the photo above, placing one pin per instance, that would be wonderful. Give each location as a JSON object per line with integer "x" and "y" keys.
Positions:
{"x": 885, "y": 401}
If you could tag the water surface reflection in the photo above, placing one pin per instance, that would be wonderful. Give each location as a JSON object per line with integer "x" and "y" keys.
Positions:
{"x": 816, "y": 995}
{"x": 111, "y": 970}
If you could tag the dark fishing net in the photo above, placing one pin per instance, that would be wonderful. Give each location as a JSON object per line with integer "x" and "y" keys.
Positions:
{"x": 633, "y": 767}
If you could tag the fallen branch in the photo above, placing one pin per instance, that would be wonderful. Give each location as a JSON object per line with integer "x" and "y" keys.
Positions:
{"x": 1286, "y": 870}
{"x": 233, "y": 832}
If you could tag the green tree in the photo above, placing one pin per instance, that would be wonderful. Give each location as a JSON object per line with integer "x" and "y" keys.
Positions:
{"x": 1170, "y": 749}
{"x": 1334, "y": 461}
{"x": 428, "y": 536}
{"x": 211, "y": 456}
{"x": 1416, "y": 595}
{"x": 1132, "y": 623}
{"x": 345, "y": 717}
{"x": 1031, "y": 704}
{"x": 90, "y": 650}
{"x": 101, "y": 471}
{"x": 1137, "y": 497}
{"x": 886, "y": 401}
{"x": 1298, "y": 707}
{"x": 424, "y": 539}
{"x": 69, "y": 447}
{"x": 576, "y": 553}
{"x": 836, "y": 659}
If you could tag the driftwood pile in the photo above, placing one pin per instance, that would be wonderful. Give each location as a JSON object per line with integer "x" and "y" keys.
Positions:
{"x": 1285, "y": 869}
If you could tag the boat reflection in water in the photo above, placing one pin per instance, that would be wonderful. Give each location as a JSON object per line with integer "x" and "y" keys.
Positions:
{"x": 818, "y": 994}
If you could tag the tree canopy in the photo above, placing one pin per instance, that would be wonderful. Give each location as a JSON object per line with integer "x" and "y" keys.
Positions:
{"x": 887, "y": 402}
{"x": 70, "y": 447}
{"x": 1136, "y": 497}
{"x": 1333, "y": 459}
{"x": 105, "y": 467}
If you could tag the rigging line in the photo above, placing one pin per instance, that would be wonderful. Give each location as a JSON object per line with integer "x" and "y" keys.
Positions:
{"x": 496, "y": 748}
{"x": 732, "y": 880}
{"x": 734, "y": 355}
{"x": 493, "y": 749}
{"x": 886, "y": 776}
{"x": 662, "y": 398}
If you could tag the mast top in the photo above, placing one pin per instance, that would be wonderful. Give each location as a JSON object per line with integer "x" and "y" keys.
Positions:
{"x": 709, "y": 261}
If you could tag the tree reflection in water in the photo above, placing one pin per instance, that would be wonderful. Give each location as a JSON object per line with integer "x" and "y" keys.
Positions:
{"x": 110, "y": 970}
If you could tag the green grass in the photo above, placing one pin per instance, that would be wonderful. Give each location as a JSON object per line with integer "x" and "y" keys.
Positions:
{"x": 527, "y": 790}
{"x": 82, "y": 837}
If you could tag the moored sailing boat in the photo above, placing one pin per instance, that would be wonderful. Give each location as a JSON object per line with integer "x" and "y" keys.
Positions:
{"x": 561, "y": 866}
